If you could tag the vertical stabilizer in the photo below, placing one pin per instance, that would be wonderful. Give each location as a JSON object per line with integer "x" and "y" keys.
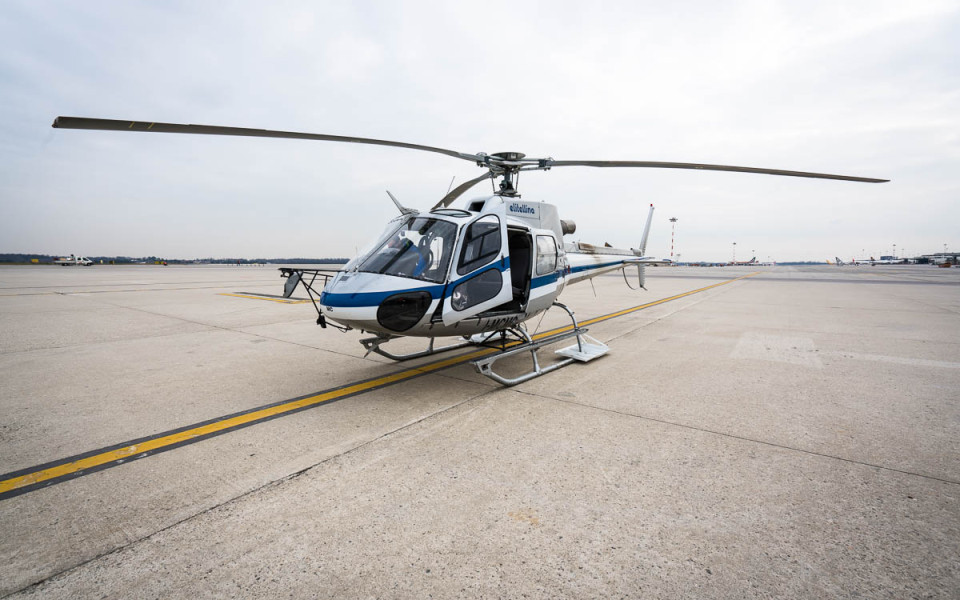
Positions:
{"x": 646, "y": 233}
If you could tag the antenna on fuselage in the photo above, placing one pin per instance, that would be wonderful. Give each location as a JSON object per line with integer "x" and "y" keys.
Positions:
{"x": 403, "y": 209}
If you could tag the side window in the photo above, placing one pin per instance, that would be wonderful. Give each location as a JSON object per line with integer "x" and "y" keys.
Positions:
{"x": 481, "y": 244}
{"x": 546, "y": 255}
{"x": 477, "y": 289}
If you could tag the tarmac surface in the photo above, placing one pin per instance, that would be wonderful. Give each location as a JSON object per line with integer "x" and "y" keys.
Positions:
{"x": 762, "y": 432}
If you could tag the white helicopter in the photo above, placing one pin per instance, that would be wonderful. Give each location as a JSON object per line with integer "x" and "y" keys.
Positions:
{"x": 479, "y": 272}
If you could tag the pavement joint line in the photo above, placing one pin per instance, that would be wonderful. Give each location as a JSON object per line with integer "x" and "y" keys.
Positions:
{"x": 40, "y": 287}
{"x": 261, "y": 487}
{"x": 641, "y": 326}
{"x": 209, "y": 327}
{"x": 231, "y": 330}
{"x": 82, "y": 292}
{"x": 32, "y": 478}
{"x": 930, "y": 307}
{"x": 743, "y": 438}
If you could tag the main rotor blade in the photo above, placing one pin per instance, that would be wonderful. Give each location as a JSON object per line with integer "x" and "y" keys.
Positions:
{"x": 115, "y": 125}
{"x": 493, "y": 162}
{"x": 460, "y": 189}
{"x": 703, "y": 167}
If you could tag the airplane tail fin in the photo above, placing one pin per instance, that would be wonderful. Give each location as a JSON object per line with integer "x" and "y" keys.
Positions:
{"x": 646, "y": 233}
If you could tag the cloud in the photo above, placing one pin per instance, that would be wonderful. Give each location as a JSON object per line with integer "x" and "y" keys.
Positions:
{"x": 862, "y": 88}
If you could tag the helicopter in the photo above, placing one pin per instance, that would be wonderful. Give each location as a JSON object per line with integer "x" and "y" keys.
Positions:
{"x": 477, "y": 273}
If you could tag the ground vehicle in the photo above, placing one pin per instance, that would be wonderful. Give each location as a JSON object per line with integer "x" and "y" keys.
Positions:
{"x": 73, "y": 260}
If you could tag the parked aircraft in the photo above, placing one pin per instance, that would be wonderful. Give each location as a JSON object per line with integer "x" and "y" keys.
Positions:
{"x": 479, "y": 272}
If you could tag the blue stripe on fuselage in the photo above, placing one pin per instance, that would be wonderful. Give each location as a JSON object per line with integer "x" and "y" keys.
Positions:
{"x": 360, "y": 299}
{"x": 544, "y": 280}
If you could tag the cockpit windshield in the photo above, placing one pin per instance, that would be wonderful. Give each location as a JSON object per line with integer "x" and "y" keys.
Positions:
{"x": 420, "y": 248}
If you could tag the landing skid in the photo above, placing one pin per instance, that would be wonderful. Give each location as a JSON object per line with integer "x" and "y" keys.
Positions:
{"x": 506, "y": 342}
{"x": 374, "y": 344}
{"x": 585, "y": 350}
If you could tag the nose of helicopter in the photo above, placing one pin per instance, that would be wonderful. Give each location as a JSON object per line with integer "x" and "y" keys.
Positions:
{"x": 376, "y": 302}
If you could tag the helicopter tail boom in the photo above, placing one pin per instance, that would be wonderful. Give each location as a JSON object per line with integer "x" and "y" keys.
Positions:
{"x": 588, "y": 261}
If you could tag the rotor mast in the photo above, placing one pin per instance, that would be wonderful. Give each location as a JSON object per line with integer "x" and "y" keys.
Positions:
{"x": 508, "y": 166}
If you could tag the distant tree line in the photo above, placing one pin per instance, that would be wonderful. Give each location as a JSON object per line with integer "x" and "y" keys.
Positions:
{"x": 17, "y": 258}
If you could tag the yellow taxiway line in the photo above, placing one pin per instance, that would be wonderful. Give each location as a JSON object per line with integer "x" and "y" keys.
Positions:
{"x": 280, "y": 300}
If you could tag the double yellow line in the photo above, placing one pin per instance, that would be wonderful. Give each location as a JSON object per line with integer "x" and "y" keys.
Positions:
{"x": 26, "y": 480}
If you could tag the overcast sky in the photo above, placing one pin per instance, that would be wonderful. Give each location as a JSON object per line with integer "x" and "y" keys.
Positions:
{"x": 857, "y": 88}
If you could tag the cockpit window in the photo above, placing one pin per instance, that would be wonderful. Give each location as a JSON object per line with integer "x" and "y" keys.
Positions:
{"x": 367, "y": 250}
{"x": 420, "y": 249}
{"x": 481, "y": 244}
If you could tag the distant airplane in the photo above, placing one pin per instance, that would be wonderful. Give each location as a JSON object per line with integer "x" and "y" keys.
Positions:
{"x": 883, "y": 260}
{"x": 747, "y": 263}
{"x": 839, "y": 262}
{"x": 73, "y": 260}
